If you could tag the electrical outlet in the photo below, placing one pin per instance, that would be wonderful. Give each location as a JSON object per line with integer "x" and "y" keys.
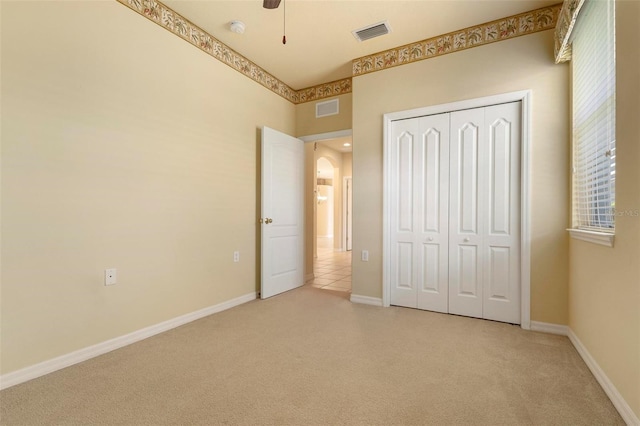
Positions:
{"x": 110, "y": 276}
{"x": 365, "y": 255}
{"x": 236, "y": 256}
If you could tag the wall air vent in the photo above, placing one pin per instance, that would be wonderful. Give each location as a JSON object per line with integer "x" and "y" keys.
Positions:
{"x": 371, "y": 31}
{"x": 326, "y": 108}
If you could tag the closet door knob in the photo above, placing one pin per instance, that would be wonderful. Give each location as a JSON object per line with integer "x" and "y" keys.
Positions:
{"x": 466, "y": 240}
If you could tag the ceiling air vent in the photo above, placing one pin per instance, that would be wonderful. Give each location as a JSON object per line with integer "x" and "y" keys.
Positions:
{"x": 371, "y": 31}
{"x": 326, "y": 108}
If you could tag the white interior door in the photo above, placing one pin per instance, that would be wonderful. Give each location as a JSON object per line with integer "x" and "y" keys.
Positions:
{"x": 402, "y": 245}
{"x": 467, "y": 189}
{"x": 484, "y": 258}
{"x": 282, "y": 213}
{"x": 419, "y": 235}
{"x": 503, "y": 219}
{"x": 455, "y": 217}
{"x": 433, "y": 213}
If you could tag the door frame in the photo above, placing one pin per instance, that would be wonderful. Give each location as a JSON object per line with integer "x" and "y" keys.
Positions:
{"x": 525, "y": 97}
{"x": 347, "y": 186}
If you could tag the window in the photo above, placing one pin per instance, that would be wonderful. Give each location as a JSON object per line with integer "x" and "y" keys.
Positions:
{"x": 594, "y": 135}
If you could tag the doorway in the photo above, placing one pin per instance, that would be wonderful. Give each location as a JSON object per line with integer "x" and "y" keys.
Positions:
{"x": 330, "y": 158}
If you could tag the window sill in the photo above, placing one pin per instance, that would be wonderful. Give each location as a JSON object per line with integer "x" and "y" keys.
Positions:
{"x": 594, "y": 237}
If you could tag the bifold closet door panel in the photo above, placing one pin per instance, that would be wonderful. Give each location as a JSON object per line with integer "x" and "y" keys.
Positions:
{"x": 502, "y": 221}
{"x": 485, "y": 221}
{"x": 419, "y": 217}
{"x": 433, "y": 213}
{"x": 467, "y": 192}
{"x": 406, "y": 135}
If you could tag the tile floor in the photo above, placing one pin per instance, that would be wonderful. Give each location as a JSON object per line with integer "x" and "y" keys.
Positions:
{"x": 332, "y": 269}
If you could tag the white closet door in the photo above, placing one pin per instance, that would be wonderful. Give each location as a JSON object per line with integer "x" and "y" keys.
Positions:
{"x": 502, "y": 219}
{"x": 467, "y": 191}
{"x": 433, "y": 213}
{"x": 403, "y": 278}
{"x": 484, "y": 254}
{"x": 419, "y": 194}
{"x": 455, "y": 222}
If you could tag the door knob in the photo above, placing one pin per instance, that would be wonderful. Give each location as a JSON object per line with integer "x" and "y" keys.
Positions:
{"x": 261, "y": 220}
{"x": 430, "y": 238}
{"x": 268, "y": 220}
{"x": 466, "y": 240}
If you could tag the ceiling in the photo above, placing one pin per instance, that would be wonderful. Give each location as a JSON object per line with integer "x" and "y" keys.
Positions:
{"x": 337, "y": 144}
{"x": 320, "y": 45}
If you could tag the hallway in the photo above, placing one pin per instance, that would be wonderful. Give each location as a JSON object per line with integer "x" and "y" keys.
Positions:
{"x": 331, "y": 269}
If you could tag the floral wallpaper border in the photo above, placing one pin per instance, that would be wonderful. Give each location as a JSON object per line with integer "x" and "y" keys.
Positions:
{"x": 490, "y": 32}
{"x": 501, "y": 29}
{"x": 566, "y": 21}
{"x": 325, "y": 90}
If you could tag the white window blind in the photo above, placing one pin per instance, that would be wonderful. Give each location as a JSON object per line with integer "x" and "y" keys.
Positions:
{"x": 594, "y": 136}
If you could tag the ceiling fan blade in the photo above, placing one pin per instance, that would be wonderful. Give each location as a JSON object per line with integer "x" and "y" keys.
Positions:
{"x": 270, "y": 4}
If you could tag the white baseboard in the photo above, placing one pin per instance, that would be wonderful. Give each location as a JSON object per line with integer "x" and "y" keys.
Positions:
{"x": 366, "y": 300}
{"x": 546, "y": 327}
{"x": 63, "y": 361}
{"x": 618, "y": 401}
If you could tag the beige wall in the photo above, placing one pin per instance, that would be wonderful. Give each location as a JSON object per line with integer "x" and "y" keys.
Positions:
{"x": 347, "y": 164}
{"x": 307, "y": 123}
{"x": 324, "y": 211}
{"x": 604, "y": 283}
{"x": 518, "y": 64}
{"x": 124, "y": 147}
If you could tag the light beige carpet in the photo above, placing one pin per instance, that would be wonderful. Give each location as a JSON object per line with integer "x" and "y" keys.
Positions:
{"x": 310, "y": 357}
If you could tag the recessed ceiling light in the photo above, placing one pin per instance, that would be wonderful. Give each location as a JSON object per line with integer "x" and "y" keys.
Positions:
{"x": 346, "y": 144}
